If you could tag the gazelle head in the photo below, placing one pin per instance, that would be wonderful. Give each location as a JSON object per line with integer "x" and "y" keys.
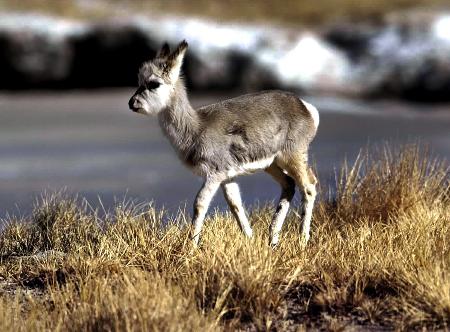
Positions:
{"x": 157, "y": 79}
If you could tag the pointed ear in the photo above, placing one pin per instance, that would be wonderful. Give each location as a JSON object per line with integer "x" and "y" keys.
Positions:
{"x": 175, "y": 61}
{"x": 164, "y": 52}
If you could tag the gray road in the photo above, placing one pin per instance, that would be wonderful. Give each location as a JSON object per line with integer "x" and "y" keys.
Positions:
{"x": 89, "y": 143}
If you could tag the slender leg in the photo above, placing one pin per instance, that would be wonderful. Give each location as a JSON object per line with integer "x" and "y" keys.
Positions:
{"x": 306, "y": 181}
{"x": 233, "y": 197}
{"x": 201, "y": 205}
{"x": 308, "y": 187}
{"x": 287, "y": 193}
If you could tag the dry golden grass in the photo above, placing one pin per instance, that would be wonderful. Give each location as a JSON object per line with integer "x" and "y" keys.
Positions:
{"x": 379, "y": 256}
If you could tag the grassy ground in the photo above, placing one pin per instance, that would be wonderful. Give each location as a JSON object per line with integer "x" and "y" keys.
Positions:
{"x": 379, "y": 257}
{"x": 287, "y": 12}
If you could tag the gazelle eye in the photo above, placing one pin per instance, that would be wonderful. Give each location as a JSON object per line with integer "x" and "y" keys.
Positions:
{"x": 152, "y": 85}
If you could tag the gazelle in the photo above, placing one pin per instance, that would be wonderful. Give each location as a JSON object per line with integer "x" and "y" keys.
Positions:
{"x": 269, "y": 130}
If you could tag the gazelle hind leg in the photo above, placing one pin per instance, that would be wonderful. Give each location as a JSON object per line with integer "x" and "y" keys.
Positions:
{"x": 297, "y": 167}
{"x": 233, "y": 198}
{"x": 201, "y": 205}
{"x": 309, "y": 182}
{"x": 287, "y": 194}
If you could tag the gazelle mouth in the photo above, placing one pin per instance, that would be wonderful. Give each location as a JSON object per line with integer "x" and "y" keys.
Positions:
{"x": 139, "y": 110}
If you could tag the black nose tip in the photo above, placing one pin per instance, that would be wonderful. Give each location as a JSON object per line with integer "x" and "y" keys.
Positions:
{"x": 131, "y": 103}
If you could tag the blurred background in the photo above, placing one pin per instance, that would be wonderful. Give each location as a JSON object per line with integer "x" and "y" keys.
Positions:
{"x": 378, "y": 71}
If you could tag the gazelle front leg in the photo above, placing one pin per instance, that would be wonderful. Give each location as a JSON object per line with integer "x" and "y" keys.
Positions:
{"x": 233, "y": 198}
{"x": 201, "y": 205}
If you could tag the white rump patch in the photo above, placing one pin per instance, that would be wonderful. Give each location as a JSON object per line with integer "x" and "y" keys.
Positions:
{"x": 313, "y": 111}
{"x": 251, "y": 167}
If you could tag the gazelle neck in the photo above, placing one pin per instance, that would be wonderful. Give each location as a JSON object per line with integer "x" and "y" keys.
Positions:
{"x": 179, "y": 121}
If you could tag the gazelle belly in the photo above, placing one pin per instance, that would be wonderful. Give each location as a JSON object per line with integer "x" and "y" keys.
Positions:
{"x": 250, "y": 167}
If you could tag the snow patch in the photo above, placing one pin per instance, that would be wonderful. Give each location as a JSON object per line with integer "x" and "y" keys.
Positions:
{"x": 39, "y": 24}
{"x": 441, "y": 28}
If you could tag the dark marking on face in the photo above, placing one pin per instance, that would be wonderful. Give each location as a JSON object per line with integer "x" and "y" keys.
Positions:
{"x": 139, "y": 90}
{"x": 132, "y": 101}
{"x": 152, "y": 85}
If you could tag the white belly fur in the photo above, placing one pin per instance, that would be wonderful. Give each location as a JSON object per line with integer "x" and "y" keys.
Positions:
{"x": 251, "y": 167}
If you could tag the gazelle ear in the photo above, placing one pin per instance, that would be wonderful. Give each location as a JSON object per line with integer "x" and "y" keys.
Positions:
{"x": 164, "y": 52}
{"x": 175, "y": 61}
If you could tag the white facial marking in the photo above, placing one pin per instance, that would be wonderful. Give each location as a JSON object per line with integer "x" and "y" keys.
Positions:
{"x": 313, "y": 111}
{"x": 251, "y": 167}
{"x": 164, "y": 92}
{"x": 156, "y": 100}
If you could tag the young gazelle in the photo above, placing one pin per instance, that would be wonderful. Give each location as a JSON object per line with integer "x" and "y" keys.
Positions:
{"x": 269, "y": 130}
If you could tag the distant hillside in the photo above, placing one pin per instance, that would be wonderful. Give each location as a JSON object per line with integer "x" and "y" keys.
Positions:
{"x": 404, "y": 55}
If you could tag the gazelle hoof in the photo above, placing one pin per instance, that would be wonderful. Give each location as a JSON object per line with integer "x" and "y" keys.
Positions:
{"x": 304, "y": 239}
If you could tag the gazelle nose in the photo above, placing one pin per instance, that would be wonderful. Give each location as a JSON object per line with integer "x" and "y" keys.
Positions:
{"x": 132, "y": 103}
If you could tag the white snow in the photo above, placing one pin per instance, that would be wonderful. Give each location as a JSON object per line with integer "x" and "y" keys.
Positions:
{"x": 295, "y": 58}
{"x": 441, "y": 28}
{"x": 41, "y": 24}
